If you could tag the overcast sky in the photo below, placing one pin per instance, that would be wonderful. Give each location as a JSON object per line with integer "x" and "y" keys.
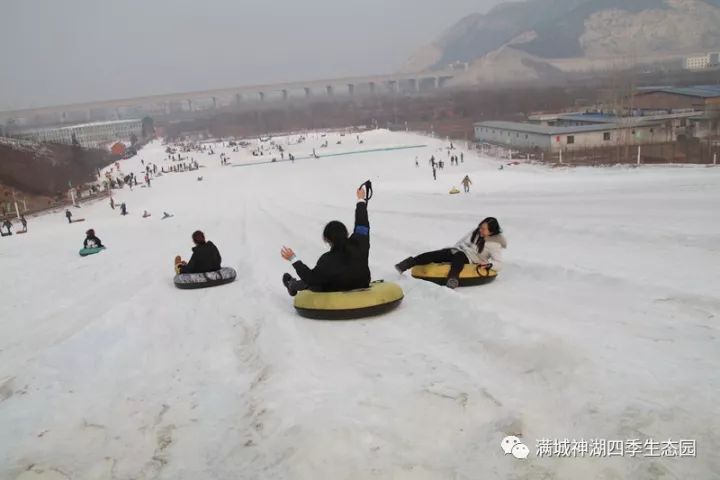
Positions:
{"x": 64, "y": 51}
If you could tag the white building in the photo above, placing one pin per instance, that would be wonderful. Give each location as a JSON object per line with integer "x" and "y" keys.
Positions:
{"x": 702, "y": 62}
{"x": 88, "y": 135}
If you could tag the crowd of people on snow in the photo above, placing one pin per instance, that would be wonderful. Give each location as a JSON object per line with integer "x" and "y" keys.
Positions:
{"x": 345, "y": 265}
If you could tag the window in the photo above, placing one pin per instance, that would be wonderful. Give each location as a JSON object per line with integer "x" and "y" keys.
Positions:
{"x": 570, "y": 139}
{"x": 606, "y": 136}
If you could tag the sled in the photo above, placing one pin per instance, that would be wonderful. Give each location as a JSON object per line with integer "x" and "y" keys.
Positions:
{"x": 77, "y": 220}
{"x": 84, "y": 252}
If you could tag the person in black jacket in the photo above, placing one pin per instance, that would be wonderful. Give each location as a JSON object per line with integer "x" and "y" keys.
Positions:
{"x": 345, "y": 266}
{"x": 205, "y": 257}
{"x": 91, "y": 241}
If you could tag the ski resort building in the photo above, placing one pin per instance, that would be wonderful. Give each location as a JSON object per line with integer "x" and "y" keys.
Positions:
{"x": 88, "y": 135}
{"x": 698, "y": 97}
{"x": 578, "y": 131}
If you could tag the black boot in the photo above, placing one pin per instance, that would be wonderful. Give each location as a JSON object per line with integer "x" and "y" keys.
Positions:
{"x": 405, "y": 264}
{"x": 289, "y": 283}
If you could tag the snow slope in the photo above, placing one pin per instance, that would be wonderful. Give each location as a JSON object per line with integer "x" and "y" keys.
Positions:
{"x": 603, "y": 325}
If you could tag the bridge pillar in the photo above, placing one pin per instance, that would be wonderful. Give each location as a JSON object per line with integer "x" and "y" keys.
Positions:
{"x": 285, "y": 94}
{"x": 262, "y": 96}
{"x": 351, "y": 88}
{"x": 308, "y": 92}
{"x": 329, "y": 90}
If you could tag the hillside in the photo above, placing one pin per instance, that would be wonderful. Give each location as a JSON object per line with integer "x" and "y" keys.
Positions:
{"x": 579, "y": 34}
{"x": 44, "y": 170}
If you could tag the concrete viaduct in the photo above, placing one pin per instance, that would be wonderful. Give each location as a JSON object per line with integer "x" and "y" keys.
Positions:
{"x": 212, "y": 99}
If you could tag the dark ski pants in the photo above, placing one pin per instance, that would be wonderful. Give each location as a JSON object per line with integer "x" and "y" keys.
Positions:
{"x": 457, "y": 260}
{"x": 466, "y": 188}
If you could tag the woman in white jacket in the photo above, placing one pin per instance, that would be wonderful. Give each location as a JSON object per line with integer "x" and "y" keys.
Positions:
{"x": 482, "y": 246}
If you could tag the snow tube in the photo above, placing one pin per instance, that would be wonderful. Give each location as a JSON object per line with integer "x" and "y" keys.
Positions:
{"x": 203, "y": 280}
{"x": 454, "y": 191}
{"x": 470, "y": 275}
{"x": 380, "y": 297}
{"x": 84, "y": 252}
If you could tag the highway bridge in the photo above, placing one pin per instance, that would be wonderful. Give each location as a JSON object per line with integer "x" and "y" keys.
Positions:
{"x": 224, "y": 97}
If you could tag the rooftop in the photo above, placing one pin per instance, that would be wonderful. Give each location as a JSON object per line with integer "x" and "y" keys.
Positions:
{"x": 589, "y": 117}
{"x": 547, "y": 130}
{"x": 80, "y": 125}
{"x": 701, "y": 91}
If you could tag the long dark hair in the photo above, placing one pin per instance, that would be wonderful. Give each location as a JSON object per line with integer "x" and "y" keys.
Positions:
{"x": 493, "y": 226}
{"x": 336, "y": 235}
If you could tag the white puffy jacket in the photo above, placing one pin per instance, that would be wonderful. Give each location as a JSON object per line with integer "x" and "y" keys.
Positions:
{"x": 491, "y": 253}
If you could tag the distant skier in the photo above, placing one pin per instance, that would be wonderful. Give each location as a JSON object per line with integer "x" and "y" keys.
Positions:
{"x": 23, "y": 222}
{"x": 145, "y": 214}
{"x": 68, "y": 215}
{"x": 205, "y": 258}
{"x": 416, "y": 162}
{"x": 112, "y": 203}
{"x": 92, "y": 241}
{"x": 8, "y": 225}
{"x": 123, "y": 209}
{"x": 466, "y": 182}
{"x": 434, "y": 173}
{"x": 432, "y": 161}
{"x": 462, "y": 157}
{"x": 166, "y": 215}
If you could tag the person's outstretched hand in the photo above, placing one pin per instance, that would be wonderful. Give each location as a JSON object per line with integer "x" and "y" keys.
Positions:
{"x": 360, "y": 193}
{"x": 287, "y": 253}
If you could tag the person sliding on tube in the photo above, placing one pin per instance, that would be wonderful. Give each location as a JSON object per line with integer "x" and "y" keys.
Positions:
{"x": 91, "y": 241}
{"x": 345, "y": 266}
{"x": 483, "y": 246}
{"x": 205, "y": 257}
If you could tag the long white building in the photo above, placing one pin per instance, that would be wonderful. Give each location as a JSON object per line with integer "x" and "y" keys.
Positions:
{"x": 88, "y": 135}
{"x": 702, "y": 62}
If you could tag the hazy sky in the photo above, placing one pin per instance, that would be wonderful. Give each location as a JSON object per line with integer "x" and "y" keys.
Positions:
{"x": 64, "y": 51}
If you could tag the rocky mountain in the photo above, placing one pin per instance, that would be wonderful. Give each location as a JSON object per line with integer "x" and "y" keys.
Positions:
{"x": 571, "y": 35}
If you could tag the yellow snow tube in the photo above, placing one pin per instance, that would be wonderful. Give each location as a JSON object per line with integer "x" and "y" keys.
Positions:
{"x": 381, "y": 297}
{"x": 454, "y": 190}
{"x": 470, "y": 275}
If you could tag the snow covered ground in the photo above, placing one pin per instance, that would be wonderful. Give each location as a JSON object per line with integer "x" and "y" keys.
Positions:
{"x": 603, "y": 325}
